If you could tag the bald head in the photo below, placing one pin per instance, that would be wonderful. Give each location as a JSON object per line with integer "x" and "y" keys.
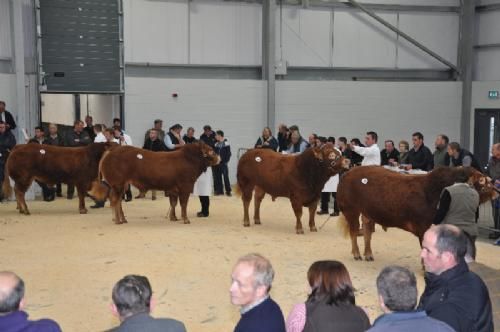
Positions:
{"x": 11, "y": 292}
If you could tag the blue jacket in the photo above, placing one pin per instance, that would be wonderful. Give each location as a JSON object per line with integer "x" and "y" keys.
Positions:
{"x": 266, "y": 317}
{"x": 17, "y": 321}
{"x": 223, "y": 150}
{"x": 415, "y": 321}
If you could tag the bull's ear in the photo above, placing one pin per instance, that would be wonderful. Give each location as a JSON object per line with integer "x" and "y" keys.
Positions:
{"x": 318, "y": 154}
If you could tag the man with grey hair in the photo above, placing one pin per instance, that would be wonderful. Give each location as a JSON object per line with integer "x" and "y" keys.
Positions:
{"x": 251, "y": 281}
{"x": 452, "y": 293}
{"x": 397, "y": 295}
{"x": 12, "y": 316}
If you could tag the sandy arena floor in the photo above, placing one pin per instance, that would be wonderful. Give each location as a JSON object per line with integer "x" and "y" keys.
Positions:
{"x": 70, "y": 262}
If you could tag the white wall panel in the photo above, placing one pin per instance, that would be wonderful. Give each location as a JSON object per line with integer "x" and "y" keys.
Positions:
{"x": 393, "y": 109}
{"x": 5, "y": 30}
{"x": 487, "y": 65}
{"x": 488, "y": 27}
{"x": 58, "y": 108}
{"x": 438, "y": 32}
{"x": 8, "y": 91}
{"x": 360, "y": 41}
{"x": 226, "y": 33}
{"x": 305, "y": 37}
{"x": 236, "y": 107}
{"x": 156, "y": 31}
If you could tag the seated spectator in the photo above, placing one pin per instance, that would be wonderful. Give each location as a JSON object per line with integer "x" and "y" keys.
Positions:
{"x": 397, "y": 296}
{"x": 389, "y": 155}
{"x": 404, "y": 147}
{"x": 133, "y": 303}
{"x": 441, "y": 157}
{"x": 208, "y": 136}
{"x": 173, "y": 139}
{"x": 252, "y": 278}
{"x": 283, "y": 137}
{"x": 490, "y": 276}
{"x": 121, "y": 137}
{"x": 420, "y": 157}
{"x": 99, "y": 136}
{"x": 331, "y": 304}
{"x": 39, "y": 137}
{"x": 297, "y": 143}
{"x": 312, "y": 140}
{"x": 267, "y": 141}
{"x": 462, "y": 157}
{"x": 158, "y": 126}
{"x": 189, "y": 137}
{"x": 459, "y": 205}
{"x": 109, "y": 133}
{"x": 452, "y": 293}
{"x": 12, "y": 316}
{"x": 154, "y": 143}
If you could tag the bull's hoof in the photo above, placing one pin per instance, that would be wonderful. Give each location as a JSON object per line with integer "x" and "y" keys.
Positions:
{"x": 174, "y": 219}
{"x": 257, "y": 222}
{"x": 313, "y": 229}
{"x": 83, "y": 211}
{"x": 358, "y": 258}
{"x": 299, "y": 231}
{"x": 246, "y": 223}
{"x": 124, "y": 221}
{"x": 26, "y": 212}
{"x": 369, "y": 258}
{"x": 118, "y": 222}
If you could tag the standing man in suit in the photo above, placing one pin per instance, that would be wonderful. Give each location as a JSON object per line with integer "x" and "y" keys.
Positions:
{"x": 7, "y": 143}
{"x": 223, "y": 149}
{"x": 6, "y": 117}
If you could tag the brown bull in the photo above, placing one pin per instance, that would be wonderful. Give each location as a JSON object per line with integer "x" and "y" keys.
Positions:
{"x": 173, "y": 172}
{"x": 52, "y": 164}
{"x": 298, "y": 177}
{"x": 396, "y": 200}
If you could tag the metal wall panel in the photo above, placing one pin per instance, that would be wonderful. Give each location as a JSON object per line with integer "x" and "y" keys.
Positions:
{"x": 81, "y": 45}
{"x": 439, "y": 32}
{"x": 488, "y": 27}
{"x": 5, "y": 30}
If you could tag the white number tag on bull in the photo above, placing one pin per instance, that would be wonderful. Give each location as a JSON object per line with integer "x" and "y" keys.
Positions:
{"x": 139, "y": 156}
{"x": 42, "y": 151}
{"x": 364, "y": 180}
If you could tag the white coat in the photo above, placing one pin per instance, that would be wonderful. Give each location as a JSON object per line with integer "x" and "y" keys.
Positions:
{"x": 331, "y": 184}
{"x": 204, "y": 184}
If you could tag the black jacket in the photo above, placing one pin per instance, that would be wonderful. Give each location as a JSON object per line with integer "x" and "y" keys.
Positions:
{"x": 384, "y": 156}
{"x": 156, "y": 145}
{"x": 208, "y": 139}
{"x": 283, "y": 141}
{"x": 77, "y": 139}
{"x": 421, "y": 159}
{"x": 7, "y": 143}
{"x": 144, "y": 322}
{"x": 189, "y": 140}
{"x": 272, "y": 143}
{"x": 9, "y": 119}
{"x": 460, "y": 160}
{"x": 459, "y": 298}
{"x": 57, "y": 141}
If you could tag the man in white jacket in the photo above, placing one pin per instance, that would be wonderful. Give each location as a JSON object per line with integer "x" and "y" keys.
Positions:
{"x": 370, "y": 153}
{"x": 371, "y": 156}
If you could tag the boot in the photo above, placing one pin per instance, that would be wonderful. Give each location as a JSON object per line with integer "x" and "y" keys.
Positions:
{"x": 98, "y": 205}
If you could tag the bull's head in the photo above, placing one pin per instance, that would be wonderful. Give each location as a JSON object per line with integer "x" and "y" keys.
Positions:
{"x": 483, "y": 184}
{"x": 332, "y": 157}
{"x": 209, "y": 154}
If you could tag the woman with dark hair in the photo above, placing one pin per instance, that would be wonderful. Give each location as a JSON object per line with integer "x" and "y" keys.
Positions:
{"x": 331, "y": 304}
{"x": 267, "y": 141}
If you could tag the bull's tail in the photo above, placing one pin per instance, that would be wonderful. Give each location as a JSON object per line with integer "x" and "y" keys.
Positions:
{"x": 100, "y": 189}
{"x": 6, "y": 188}
{"x": 344, "y": 225}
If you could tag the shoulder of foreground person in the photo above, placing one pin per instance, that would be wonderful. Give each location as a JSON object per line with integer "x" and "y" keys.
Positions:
{"x": 43, "y": 325}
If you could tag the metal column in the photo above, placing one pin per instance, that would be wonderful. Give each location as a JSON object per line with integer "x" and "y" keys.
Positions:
{"x": 268, "y": 58}
{"x": 465, "y": 62}
{"x": 19, "y": 68}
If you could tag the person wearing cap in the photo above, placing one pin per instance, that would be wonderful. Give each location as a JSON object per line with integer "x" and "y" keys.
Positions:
{"x": 173, "y": 139}
{"x": 158, "y": 126}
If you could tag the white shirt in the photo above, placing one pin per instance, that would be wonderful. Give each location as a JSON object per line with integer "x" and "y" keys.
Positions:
{"x": 126, "y": 140}
{"x": 100, "y": 138}
{"x": 371, "y": 155}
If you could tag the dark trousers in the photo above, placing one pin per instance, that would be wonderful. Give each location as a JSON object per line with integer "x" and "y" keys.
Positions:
{"x": 59, "y": 189}
{"x": 496, "y": 214}
{"x": 71, "y": 191}
{"x": 205, "y": 204}
{"x": 2, "y": 172}
{"x": 221, "y": 173}
{"x": 47, "y": 192}
{"x": 325, "y": 199}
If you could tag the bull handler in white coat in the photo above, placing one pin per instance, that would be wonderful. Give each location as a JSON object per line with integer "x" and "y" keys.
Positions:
{"x": 203, "y": 189}
{"x": 330, "y": 187}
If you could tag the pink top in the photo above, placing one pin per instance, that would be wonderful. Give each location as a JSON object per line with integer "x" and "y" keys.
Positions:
{"x": 297, "y": 318}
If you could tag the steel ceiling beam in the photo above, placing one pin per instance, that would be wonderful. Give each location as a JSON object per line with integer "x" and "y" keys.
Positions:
{"x": 488, "y": 8}
{"x": 404, "y": 35}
